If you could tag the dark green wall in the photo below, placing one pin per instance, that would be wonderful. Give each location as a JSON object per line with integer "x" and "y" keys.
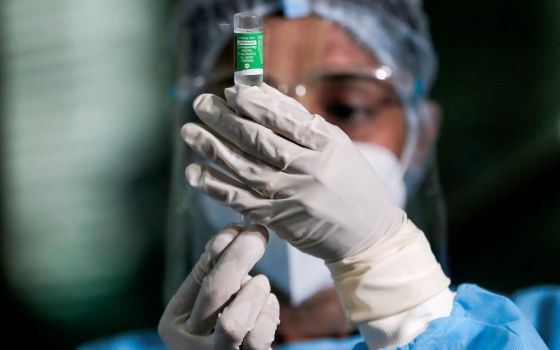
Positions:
{"x": 499, "y": 153}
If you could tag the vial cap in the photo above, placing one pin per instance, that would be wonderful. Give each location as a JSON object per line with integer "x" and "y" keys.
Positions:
{"x": 247, "y": 20}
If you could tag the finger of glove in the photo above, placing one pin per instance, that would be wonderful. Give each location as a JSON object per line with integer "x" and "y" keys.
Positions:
{"x": 257, "y": 175}
{"x": 176, "y": 337}
{"x": 183, "y": 300}
{"x": 224, "y": 189}
{"x": 241, "y": 314}
{"x": 172, "y": 323}
{"x": 262, "y": 335}
{"x": 250, "y": 137}
{"x": 226, "y": 278}
{"x": 273, "y": 112}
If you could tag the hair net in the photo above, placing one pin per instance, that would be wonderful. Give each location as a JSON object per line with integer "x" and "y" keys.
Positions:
{"x": 394, "y": 31}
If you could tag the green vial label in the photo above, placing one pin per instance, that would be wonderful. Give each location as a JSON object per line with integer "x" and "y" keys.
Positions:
{"x": 249, "y": 53}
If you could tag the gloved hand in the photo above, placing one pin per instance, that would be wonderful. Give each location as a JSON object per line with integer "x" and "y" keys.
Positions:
{"x": 201, "y": 315}
{"x": 302, "y": 177}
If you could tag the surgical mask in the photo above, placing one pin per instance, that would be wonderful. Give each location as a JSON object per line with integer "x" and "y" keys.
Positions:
{"x": 387, "y": 166}
{"x": 296, "y": 274}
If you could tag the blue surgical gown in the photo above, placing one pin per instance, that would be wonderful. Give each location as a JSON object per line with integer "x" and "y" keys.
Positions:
{"x": 479, "y": 320}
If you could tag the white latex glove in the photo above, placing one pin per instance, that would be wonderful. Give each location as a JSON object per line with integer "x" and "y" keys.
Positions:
{"x": 219, "y": 306}
{"x": 302, "y": 177}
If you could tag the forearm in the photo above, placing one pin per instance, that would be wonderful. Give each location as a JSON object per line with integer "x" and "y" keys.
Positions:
{"x": 393, "y": 289}
{"x": 395, "y": 274}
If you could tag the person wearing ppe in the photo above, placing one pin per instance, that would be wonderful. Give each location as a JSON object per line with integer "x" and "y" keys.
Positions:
{"x": 327, "y": 154}
{"x": 280, "y": 168}
{"x": 334, "y": 193}
{"x": 316, "y": 60}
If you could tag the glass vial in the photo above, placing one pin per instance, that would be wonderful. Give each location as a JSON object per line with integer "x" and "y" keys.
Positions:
{"x": 248, "y": 43}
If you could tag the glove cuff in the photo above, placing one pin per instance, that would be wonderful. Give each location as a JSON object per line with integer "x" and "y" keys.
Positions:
{"x": 396, "y": 273}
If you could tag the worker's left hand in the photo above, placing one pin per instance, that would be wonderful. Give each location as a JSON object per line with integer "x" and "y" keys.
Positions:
{"x": 302, "y": 177}
{"x": 289, "y": 170}
{"x": 219, "y": 306}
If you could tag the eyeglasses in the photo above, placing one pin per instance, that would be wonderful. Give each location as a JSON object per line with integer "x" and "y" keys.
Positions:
{"x": 345, "y": 97}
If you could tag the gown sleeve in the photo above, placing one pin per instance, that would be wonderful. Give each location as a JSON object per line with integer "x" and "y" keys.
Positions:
{"x": 479, "y": 320}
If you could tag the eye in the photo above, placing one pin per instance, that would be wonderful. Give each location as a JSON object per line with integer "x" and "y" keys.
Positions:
{"x": 348, "y": 112}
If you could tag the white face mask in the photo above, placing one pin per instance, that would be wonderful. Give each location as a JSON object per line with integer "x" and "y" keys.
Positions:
{"x": 387, "y": 166}
{"x": 296, "y": 274}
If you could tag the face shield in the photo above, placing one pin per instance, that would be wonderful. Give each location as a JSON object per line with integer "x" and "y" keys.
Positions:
{"x": 355, "y": 98}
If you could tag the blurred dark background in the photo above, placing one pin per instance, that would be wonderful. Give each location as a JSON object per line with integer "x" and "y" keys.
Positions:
{"x": 85, "y": 100}
{"x": 499, "y": 152}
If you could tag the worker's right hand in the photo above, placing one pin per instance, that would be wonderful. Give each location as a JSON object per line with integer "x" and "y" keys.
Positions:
{"x": 219, "y": 306}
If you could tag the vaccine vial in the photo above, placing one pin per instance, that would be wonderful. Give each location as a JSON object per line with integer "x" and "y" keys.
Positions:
{"x": 248, "y": 43}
